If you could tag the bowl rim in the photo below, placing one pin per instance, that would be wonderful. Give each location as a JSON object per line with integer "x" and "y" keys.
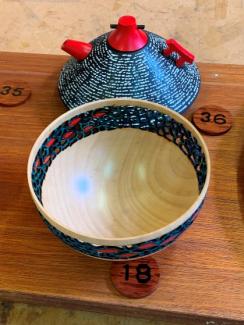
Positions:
{"x": 124, "y": 241}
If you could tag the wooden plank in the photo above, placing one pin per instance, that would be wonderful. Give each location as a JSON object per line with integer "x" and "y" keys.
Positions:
{"x": 202, "y": 274}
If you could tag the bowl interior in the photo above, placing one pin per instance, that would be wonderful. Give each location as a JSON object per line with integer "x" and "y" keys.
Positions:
{"x": 103, "y": 177}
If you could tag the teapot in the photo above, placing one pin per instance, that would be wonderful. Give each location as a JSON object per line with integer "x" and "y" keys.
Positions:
{"x": 129, "y": 62}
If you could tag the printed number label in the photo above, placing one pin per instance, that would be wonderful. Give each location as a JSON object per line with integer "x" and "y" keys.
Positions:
{"x": 218, "y": 118}
{"x": 143, "y": 273}
{"x": 13, "y": 91}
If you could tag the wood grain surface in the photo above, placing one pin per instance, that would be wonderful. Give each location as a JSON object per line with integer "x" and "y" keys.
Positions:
{"x": 202, "y": 274}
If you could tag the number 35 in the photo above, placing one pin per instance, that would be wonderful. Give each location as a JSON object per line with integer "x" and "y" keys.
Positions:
{"x": 15, "y": 92}
{"x": 218, "y": 118}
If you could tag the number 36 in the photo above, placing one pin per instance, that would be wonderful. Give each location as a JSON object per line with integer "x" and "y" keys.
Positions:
{"x": 218, "y": 118}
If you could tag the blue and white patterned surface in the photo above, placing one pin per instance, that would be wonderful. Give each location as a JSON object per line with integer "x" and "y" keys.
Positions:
{"x": 145, "y": 74}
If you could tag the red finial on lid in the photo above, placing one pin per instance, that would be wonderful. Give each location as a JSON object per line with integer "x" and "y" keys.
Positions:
{"x": 127, "y": 37}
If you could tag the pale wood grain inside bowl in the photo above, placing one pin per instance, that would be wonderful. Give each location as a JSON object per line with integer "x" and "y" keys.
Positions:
{"x": 122, "y": 186}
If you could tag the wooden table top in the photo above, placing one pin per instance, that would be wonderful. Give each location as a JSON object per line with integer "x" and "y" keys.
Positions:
{"x": 202, "y": 274}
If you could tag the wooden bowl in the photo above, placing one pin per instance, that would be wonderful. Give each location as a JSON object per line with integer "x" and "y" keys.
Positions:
{"x": 120, "y": 178}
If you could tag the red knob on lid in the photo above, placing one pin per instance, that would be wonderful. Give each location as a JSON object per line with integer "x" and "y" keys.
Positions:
{"x": 184, "y": 54}
{"x": 78, "y": 50}
{"x": 127, "y": 37}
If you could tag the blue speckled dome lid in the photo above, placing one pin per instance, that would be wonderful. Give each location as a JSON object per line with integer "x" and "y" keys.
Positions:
{"x": 145, "y": 74}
